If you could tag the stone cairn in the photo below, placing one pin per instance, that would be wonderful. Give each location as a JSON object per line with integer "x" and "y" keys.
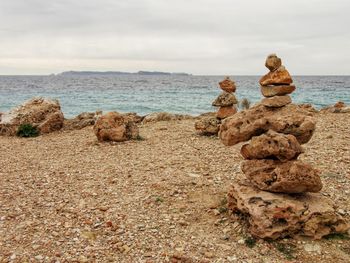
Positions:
{"x": 226, "y": 102}
{"x": 279, "y": 194}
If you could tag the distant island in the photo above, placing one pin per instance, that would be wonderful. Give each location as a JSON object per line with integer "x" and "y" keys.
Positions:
{"x": 104, "y": 73}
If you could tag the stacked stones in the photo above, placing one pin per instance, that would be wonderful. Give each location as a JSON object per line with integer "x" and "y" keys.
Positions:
{"x": 226, "y": 100}
{"x": 277, "y": 128}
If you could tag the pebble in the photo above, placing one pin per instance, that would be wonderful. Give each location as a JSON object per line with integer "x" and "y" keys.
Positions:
{"x": 312, "y": 248}
{"x": 232, "y": 258}
{"x": 241, "y": 241}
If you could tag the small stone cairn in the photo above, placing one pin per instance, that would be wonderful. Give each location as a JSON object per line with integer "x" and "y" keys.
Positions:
{"x": 279, "y": 194}
{"x": 226, "y": 102}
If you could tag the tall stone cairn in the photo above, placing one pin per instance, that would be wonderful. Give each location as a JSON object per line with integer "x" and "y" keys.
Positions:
{"x": 279, "y": 193}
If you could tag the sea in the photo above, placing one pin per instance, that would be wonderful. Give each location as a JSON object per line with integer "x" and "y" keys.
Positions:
{"x": 145, "y": 94}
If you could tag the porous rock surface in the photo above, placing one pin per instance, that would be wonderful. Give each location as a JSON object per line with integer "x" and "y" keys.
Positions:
{"x": 225, "y": 112}
{"x": 42, "y": 113}
{"x": 273, "y": 216}
{"x": 272, "y": 145}
{"x": 207, "y": 126}
{"x": 255, "y": 121}
{"x": 282, "y": 177}
{"x": 113, "y": 126}
{"x": 164, "y": 116}
{"x": 225, "y": 99}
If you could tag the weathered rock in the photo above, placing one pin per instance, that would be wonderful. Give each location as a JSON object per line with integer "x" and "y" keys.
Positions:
{"x": 339, "y": 107}
{"x": 272, "y": 145}
{"x": 280, "y": 76}
{"x": 82, "y": 120}
{"x": 44, "y": 114}
{"x": 115, "y": 127}
{"x": 225, "y": 112}
{"x": 207, "y": 126}
{"x": 255, "y": 121}
{"x": 308, "y": 107}
{"x": 273, "y": 62}
{"x": 227, "y": 85}
{"x": 132, "y": 116}
{"x": 164, "y": 116}
{"x": 225, "y": 99}
{"x": 270, "y": 91}
{"x": 276, "y": 101}
{"x": 274, "y": 216}
{"x": 282, "y": 177}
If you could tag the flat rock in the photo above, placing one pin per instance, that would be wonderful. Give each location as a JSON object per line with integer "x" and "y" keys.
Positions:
{"x": 115, "y": 127}
{"x": 270, "y": 91}
{"x": 207, "y": 126}
{"x": 227, "y": 85}
{"x": 273, "y": 62}
{"x": 276, "y": 101}
{"x": 258, "y": 119}
{"x": 280, "y": 76}
{"x": 225, "y": 112}
{"x": 164, "y": 116}
{"x": 282, "y": 177}
{"x": 225, "y": 99}
{"x": 272, "y": 145}
{"x": 273, "y": 216}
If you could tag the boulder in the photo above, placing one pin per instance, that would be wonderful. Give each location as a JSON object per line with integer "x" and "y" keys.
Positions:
{"x": 227, "y": 85}
{"x": 82, "y": 120}
{"x": 282, "y": 177}
{"x": 257, "y": 120}
{"x": 225, "y": 112}
{"x": 272, "y": 145}
{"x": 225, "y": 99}
{"x": 113, "y": 126}
{"x": 276, "y": 101}
{"x": 280, "y": 76}
{"x": 164, "y": 116}
{"x": 270, "y": 91}
{"x": 207, "y": 126}
{"x": 273, "y": 62}
{"x": 43, "y": 114}
{"x": 273, "y": 216}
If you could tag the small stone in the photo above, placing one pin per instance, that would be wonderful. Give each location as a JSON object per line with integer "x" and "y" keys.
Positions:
{"x": 241, "y": 241}
{"x": 270, "y": 91}
{"x": 273, "y": 62}
{"x": 225, "y": 99}
{"x": 225, "y": 112}
{"x": 39, "y": 257}
{"x": 231, "y": 258}
{"x": 312, "y": 248}
{"x": 276, "y": 101}
{"x": 227, "y": 85}
{"x": 207, "y": 126}
{"x": 208, "y": 254}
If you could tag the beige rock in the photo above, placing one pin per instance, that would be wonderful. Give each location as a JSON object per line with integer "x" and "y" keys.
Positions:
{"x": 270, "y": 91}
{"x": 44, "y": 114}
{"x": 282, "y": 177}
{"x": 225, "y": 99}
{"x": 227, "y": 85}
{"x": 308, "y": 107}
{"x": 276, "y": 101}
{"x": 207, "y": 126}
{"x": 273, "y": 62}
{"x": 225, "y": 112}
{"x": 255, "y": 121}
{"x": 339, "y": 107}
{"x": 81, "y": 121}
{"x": 115, "y": 127}
{"x": 164, "y": 116}
{"x": 280, "y": 76}
{"x": 272, "y": 145}
{"x": 274, "y": 216}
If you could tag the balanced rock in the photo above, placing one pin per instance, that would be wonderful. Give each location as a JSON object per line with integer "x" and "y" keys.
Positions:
{"x": 282, "y": 177}
{"x": 276, "y": 101}
{"x": 227, "y": 85}
{"x": 207, "y": 126}
{"x": 257, "y": 120}
{"x": 225, "y": 112}
{"x": 270, "y": 91}
{"x": 43, "y": 114}
{"x": 115, "y": 127}
{"x": 278, "y": 77}
{"x": 273, "y": 62}
{"x": 272, "y": 145}
{"x": 274, "y": 216}
{"x": 225, "y": 99}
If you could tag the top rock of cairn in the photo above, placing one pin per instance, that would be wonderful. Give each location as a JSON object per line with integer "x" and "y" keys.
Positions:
{"x": 227, "y": 85}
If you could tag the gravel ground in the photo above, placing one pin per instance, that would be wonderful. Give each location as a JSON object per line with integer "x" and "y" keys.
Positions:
{"x": 64, "y": 197}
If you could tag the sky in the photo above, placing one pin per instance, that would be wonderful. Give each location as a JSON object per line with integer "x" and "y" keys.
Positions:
{"x": 203, "y": 37}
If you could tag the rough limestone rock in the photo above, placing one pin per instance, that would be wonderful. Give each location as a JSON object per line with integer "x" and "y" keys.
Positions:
{"x": 255, "y": 121}
{"x": 308, "y": 107}
{"x": 339, "y": 107}
{"x": 273, "y": 216}
{"x": 225, "y": 112}
{"x": 272, "y": 145}
{"x": 276, "y": 101}
{"x": 227, "y": 85}
{"x": 270, "y": 91}
{"x": 82, "y": 120}
{"x": 207, "y": 126}
{"x": 282, "y": 177}
{"x": 225, "y": 99}
{"x": 115, "y": 127}
{"x": 44, "y": 114}
{"x": 164, "y": 116}
{"x": 273, "y": 62}
{"x": 280, "y": 76}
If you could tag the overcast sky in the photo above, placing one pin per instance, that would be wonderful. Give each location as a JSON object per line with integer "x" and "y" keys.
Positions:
{"x": 228, "y": 37}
